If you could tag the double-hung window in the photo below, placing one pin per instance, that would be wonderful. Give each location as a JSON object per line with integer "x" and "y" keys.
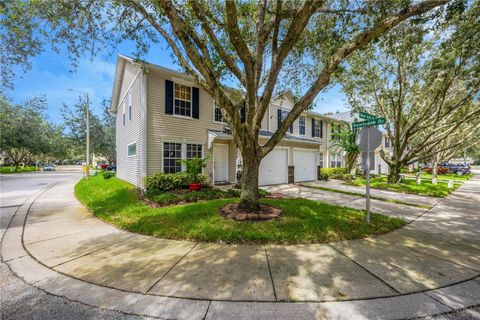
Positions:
{"x": 316, "y": 128}
{"x": 282, "y": 115}
{"x": 172, "y": 154}
{"x": 301, "y": 125}
{"x": 123, "y": 112}
{"x": 335, "y": 160}
{"x": 335, "y": 132}
{"x": 320, "y": 159}
{"x": 130, "y": 106}
{"x": 218, "y": 114}
{"x": 183, "y": 100}
{"x": 194, "y": 151}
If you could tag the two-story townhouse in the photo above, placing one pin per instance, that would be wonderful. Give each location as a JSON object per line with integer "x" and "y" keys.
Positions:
{"x": 163, "y": 117}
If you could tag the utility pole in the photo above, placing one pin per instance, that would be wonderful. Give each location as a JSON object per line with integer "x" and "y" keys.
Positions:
{"x": 88, "y": 136}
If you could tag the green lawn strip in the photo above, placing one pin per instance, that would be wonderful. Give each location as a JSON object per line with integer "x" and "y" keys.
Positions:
{"x": 440, "y": 190}
{"x": 9, "y": 170}
{"x": 351, "y": 193}
{"x": 444, "y": 177}
{"x": 304, "y": 221}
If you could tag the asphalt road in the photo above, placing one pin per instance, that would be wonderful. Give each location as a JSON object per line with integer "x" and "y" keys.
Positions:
{"x": 19, "y": 300}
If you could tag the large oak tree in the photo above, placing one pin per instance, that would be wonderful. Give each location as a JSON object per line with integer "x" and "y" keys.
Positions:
{"x": 255, "y": 45}
{"x": 426, "y": 83}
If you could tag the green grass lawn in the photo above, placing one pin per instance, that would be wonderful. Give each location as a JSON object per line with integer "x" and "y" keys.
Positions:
{"x": 304, "y": 221}
{"x": 409, "y": 186}
{"x": 446, "y": 177}
{"x": 358, "y": 194}
{"x": 8, "y": 170}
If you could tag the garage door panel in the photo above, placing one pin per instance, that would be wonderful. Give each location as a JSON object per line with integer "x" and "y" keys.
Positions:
{"x": 305, "y": 162}
{"x": 273, "y": 168}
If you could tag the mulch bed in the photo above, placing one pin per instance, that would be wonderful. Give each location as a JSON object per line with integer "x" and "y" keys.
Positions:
{"x": 266, "y": 213}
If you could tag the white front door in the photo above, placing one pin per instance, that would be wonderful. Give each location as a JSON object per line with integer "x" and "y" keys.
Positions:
{"x": 220, "y": 162}
{"x": 274, "y": 167}
{"x": 305, "y": 162}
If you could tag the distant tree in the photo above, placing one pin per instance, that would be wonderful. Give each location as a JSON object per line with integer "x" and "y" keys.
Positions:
{"x": 108, "y": 149}
{"x": 255, "y": 45}
{"x": 24, "y": 129}
{"x": 424, "y": 82}
{"x": 102, "y": 129}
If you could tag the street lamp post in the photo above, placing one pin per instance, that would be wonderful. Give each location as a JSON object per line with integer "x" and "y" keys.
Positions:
{"x": 87, "y": 107}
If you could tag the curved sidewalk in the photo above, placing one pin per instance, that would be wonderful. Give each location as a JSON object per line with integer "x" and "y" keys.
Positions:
{"x": 429, "y": 267}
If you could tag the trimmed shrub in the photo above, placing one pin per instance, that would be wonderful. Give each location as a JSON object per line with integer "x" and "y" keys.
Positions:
{"x": 108, "y": 174}
{"x": 161, "y": 182}
{"x": 327, "y": 173}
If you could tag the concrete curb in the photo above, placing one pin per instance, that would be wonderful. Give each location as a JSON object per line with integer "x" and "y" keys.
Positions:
{"x": 21, "y": 263}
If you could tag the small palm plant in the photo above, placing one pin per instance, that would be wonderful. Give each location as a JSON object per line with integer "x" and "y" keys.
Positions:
{"x": 346, "y": 139}
{"x": 194, "y": 168}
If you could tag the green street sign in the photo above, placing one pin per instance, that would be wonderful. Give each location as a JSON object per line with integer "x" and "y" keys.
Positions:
{"x": 367, "y": 116}
{"x": 368, "y": 123}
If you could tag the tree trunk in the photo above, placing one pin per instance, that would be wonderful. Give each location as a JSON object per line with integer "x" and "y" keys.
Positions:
{"x": 351, "y": 159}
{"x": 394, "y": 174}
{"x": 434, "y": 171}
{"x": 249, "y": 197}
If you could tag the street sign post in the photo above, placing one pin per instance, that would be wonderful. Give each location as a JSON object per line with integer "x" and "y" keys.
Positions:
{"x": 369, "y": 138}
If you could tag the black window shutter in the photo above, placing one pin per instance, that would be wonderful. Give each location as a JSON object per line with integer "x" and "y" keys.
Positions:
{"x": 195, "y": 102}
{"x": 321, "y": 129}
{"x": 313, "y": 127}
{"x": 279, "y": 118}
{"x": 243, "y": 113}
{"x": 168, "y": 97}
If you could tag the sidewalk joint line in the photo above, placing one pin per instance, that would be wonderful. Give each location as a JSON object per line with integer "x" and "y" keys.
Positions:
{"x": 90, "y": 252}
{"x": 271, "y": 276}
{"x": 172, "y": 267}
{"x": 208, "y": 308}
{"x": 364, "y": 268}
{"x": 435, "y": 299}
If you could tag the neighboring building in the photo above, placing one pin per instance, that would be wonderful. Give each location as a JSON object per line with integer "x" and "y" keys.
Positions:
{"x": 380, "y": 167}
{"x": 162, "y": 117}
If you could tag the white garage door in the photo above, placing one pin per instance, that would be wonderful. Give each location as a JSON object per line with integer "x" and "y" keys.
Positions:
{"x": 305, "y": 162}
{"x": 274, "y": 167}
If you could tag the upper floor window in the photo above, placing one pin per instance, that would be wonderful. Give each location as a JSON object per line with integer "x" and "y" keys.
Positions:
{"x": 317, "y": 128}
{"x": 301, "y": 125}
{"x": 123, "y": 113}
{"x": 132, "y": 149}
{"x": 387, "y": 142}
{"x": 218, "y": 114}
{"x": 172, "y": 154}
{"x": 335, "y": 131}
{"x": 183, "y": 100}
{"x": 130, "y": 106}
{"x": 282, "y": 114}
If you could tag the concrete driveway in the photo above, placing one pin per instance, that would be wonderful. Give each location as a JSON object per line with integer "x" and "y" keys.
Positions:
{"x": 429, "y": 267}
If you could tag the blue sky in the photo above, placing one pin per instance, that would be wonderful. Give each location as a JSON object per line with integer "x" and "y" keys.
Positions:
{"x": 51, "y": 74}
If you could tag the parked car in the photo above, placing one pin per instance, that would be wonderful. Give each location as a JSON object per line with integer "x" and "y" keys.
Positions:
{"x": 457, "y": 168}
{"x": 112, "y": 167}
{"x": 49, "y": 167}
{"x": 104, "y": 166}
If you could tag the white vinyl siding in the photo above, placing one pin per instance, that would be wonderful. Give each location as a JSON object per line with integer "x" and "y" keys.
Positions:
{"x": 129, "y": 168}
